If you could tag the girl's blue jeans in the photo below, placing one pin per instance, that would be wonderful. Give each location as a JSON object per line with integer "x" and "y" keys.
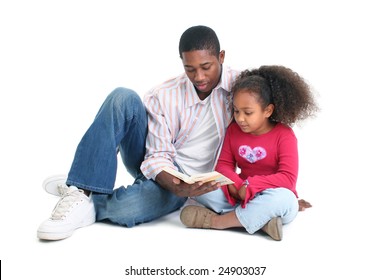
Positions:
{"x": 119, "y": 126}
{"x": 271, "y": 203}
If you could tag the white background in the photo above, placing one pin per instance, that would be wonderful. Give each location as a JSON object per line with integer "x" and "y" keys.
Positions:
{"x": 59, "y": 60}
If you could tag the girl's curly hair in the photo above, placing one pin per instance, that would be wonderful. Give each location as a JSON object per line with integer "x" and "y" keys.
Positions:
{"x": 279, "y": 85}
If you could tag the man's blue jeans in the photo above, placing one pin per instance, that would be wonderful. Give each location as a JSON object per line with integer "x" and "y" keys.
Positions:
{"x": 120, "y": 125}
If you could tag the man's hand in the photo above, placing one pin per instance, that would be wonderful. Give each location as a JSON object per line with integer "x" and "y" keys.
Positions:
{"x": 182, "y": 189}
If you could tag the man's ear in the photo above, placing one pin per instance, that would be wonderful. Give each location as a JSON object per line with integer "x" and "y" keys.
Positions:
{"x": 221, "y": 56}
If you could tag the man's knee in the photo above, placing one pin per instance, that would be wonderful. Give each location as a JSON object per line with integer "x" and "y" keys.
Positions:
{"x": 122, "y": 94}
{"x": 125, "y": 100}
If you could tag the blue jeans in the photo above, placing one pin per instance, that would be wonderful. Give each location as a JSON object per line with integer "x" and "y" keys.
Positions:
{"x": 271, "y": 203}
{"x": 119, "y": 126}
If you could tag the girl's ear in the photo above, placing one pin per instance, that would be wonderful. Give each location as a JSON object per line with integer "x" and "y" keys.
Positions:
{"x": 269, "y": 110}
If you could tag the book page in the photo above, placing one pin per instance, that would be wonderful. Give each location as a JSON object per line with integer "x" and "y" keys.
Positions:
{"x": 204, "y": 177}
{"x": 179, "y": 175}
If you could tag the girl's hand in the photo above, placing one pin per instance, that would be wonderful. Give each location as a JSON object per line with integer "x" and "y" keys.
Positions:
{"x": 233, "y": 192}
{"x": 242, "y": 192}
{"x": 237, "y": 194}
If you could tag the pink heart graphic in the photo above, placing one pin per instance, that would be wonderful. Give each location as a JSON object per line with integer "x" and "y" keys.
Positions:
{"x": 252, "y": 155}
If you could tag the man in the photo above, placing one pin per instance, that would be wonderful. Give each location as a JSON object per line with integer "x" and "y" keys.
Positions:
{"x": 181, "y": 124}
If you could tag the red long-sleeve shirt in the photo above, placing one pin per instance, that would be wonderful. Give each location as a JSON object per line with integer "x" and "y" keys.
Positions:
{"x": 266, "y": 161}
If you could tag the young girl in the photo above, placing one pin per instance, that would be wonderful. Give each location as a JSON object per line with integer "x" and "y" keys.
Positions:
{"x": 260, "y": 142}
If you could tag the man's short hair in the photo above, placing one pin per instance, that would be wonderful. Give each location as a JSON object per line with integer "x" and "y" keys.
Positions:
{"x": 198, "y": 38}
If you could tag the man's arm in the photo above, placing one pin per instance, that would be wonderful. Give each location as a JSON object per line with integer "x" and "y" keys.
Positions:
{"x": 163, "y": 126}
{"x": 182, "y": 189}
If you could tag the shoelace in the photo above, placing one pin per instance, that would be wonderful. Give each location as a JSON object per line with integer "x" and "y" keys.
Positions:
{"x": 69, "y": 198}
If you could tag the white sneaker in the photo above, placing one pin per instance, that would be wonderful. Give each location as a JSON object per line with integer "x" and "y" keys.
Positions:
{"x": 74, "y": 210}
{"x": 55, "y": 184}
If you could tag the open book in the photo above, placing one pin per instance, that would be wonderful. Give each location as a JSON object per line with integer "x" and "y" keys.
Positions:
{"x": 204, "y": 177}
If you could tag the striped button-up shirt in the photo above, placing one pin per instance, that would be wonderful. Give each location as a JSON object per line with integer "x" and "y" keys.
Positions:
{"x": 173, "y": 109}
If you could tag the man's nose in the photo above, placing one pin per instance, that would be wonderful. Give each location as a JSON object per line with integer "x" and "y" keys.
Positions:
{"x": 199, "y": 76}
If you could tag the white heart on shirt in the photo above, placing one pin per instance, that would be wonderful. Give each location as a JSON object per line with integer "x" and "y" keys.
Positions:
{"x": 252, "y": 155}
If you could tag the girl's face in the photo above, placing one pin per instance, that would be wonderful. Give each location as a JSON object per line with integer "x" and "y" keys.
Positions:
{"x": 249, "y": 114}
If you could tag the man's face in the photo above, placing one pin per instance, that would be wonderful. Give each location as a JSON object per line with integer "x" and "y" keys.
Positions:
{"x": 203, "y": 69}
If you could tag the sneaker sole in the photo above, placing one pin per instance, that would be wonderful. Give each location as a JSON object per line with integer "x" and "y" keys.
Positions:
{"x": 53, "y": 236}
{"x": 43, "y": 235}
{"x": 50, "y": 185}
